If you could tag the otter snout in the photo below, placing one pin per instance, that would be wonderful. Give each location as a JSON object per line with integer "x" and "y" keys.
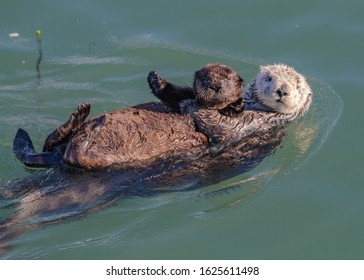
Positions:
{"x": 281, "y": 93}
{"x": 215, "y": 87}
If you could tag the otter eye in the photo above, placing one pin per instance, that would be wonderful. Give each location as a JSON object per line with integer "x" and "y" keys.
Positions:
{"x": 205, "y": 81}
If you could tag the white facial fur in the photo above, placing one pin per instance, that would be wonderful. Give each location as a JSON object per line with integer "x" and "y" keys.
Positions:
{"x": 280, "y": 89}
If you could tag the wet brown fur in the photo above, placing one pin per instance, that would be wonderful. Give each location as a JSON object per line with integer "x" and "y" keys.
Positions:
{"x": 133, "y": 136}
{"x": 150, "y": 132}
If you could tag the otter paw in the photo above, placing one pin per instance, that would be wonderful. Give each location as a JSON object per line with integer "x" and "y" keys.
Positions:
{"x": 156, "y": 83}
{"x": 80, "y": 114}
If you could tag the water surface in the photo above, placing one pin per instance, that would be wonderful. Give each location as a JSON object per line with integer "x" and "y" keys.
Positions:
{"x": 303, "y": 201}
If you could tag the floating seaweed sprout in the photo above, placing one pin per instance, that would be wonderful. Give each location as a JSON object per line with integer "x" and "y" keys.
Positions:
{"x": 40, "y": 55}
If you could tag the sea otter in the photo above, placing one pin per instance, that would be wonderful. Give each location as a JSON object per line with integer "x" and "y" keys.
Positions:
{"x": 277, "y": 95}
{"x": 146, "y": 133}
{"x": 215, "y": 87}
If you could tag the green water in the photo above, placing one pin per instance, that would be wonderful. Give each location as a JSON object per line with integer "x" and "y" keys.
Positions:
{"x": 303, "y": 202}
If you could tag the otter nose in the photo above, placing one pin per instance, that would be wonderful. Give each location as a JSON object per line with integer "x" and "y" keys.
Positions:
{"x": 281, "y": 93}
{"x": 215, "y": 87}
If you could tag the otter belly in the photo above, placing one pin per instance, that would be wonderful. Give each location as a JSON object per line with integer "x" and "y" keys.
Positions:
{"x": 131, "y": 137}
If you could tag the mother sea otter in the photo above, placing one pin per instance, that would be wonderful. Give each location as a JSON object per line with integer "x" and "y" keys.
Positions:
{"x": 218, "y": 116}
{"x": 227, "y": 136}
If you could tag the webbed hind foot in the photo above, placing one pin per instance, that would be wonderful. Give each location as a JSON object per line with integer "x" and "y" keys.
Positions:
{"x": 24, "y": 151}
{"x": 62, "y": 133}
{"x": 22, "y": 144}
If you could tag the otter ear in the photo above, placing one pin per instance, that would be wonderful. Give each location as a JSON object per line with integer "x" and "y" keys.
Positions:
{"x": 264, "y": 73}
{"x": 199, "y": 73}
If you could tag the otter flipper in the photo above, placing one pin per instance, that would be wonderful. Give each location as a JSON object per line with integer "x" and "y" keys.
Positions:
{"x": 24, "y": 151}
{"x": 22, "y": 144}
{"x": 64, "y": 131}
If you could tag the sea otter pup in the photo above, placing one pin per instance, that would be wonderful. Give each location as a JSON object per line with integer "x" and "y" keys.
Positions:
{"x": 278, "y": 91}
{"x": 140, "y": 135}
{"x": 215, "y": 87}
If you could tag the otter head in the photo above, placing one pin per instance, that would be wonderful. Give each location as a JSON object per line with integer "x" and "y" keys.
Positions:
{"x": 216, "y": 86}
{"x": 279, "y": 88}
